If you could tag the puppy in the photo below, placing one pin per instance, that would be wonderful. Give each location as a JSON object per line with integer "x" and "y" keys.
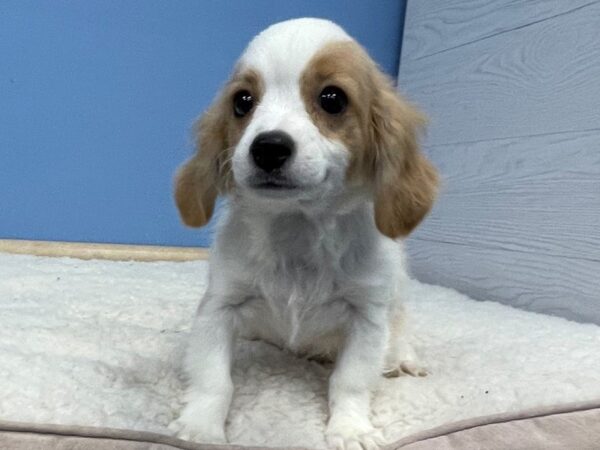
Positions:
{"x": 317, "y": 157}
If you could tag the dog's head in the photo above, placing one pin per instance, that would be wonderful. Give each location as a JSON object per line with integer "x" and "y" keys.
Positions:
{"x": 308, "y": 116}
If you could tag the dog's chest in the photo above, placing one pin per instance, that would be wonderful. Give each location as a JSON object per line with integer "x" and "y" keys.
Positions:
{"x": 298, "y": 296}
{"x": 297, "y": 305}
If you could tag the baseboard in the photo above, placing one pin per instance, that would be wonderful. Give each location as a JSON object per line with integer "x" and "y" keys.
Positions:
{"x": 114, "y": 252}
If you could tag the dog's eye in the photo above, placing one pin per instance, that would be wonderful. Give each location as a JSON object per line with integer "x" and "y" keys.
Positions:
{"x": 333, "y": 100}
{"x": 242, "y": 103}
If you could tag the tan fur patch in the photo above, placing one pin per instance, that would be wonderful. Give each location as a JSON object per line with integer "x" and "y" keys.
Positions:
{"x": 379, "y": 129}
{"x": 345, "y": 65}
{"x": 217, "y": 132}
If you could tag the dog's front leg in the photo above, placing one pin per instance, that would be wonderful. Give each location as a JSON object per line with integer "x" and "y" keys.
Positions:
{"x": 356, "y": 374}
{"x": 208, "y": 367}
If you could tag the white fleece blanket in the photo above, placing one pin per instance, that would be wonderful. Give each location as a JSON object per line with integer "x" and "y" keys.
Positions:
{"x": 98, "y": 343}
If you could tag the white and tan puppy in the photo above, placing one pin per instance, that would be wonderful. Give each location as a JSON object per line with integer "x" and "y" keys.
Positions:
{"x": 317, "y": 157}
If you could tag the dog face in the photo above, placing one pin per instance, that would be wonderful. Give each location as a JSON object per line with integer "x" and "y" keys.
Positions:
{"x": 282, "y": 152}
{"x": 305, "y": 117}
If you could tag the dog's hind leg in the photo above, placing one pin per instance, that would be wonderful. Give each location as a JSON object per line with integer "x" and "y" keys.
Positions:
{"x": 401, "y": 358}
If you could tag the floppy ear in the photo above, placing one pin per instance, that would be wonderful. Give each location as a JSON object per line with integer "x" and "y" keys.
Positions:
{"x": 199, "y": 180}
{"x": 405, "y": 181}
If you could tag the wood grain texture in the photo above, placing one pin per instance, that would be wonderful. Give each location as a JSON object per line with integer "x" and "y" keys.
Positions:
{"x": 436, "y": 27}
{"x": 538, "y": 194}
{"x": 512, "y": 89}
{"x": 537, "y": 79}
{"x": 550, "y": 285}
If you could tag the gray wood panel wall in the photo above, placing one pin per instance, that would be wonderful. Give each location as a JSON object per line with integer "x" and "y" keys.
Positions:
{"x": 512, "y": 89}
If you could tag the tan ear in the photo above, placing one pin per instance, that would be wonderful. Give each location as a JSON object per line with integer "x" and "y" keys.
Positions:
{"x": 200, "y": 179}
{"x": 405, "y": 181}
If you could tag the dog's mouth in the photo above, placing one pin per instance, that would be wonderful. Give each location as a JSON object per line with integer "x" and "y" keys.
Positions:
{"x": 275, "y": 188}
{"x": 275, "y": 185}
{"x": 278, "y": 185}
{"x": 273, "y": 182}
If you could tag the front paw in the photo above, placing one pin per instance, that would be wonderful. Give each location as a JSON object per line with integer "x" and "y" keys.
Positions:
{"x": 352, "y": 434}
{"x": 406, "y": 367}
{"x": 191, "y": 426}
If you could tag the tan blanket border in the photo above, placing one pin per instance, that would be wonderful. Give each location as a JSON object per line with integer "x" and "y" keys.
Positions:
{"x": 466, "y": 424}
{"x": 117, "y": 434}
{"x": 155, "y": 438}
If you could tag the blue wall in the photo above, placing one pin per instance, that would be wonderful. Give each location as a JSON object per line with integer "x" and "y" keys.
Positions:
{"x": 97, "y": 99}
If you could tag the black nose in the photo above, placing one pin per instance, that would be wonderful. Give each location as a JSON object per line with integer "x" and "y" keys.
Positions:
{"x": 271, "y": 150}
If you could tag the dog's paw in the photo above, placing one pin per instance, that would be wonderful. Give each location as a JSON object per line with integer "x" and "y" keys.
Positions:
{"x": 191, "y": 427}
{"x": 402, "y": 360}
{"x": 407, "y": 367}
{"x": 353, "y": 435}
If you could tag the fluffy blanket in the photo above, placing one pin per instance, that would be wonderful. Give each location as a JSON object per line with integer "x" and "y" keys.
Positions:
{"x": 99, "y": 343}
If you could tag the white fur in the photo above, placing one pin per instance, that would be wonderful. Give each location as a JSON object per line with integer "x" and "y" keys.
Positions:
{"x": 283, "y": 50}
{"x": 305, "y": 270}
